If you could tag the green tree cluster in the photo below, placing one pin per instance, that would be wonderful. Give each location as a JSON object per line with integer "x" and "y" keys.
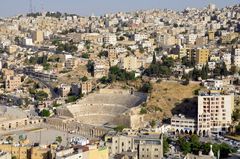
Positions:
{"x": 237, "y": 129}
{"x": 68, "y": 47}
{"x": 38, "y": 95}
{"x": 119, "y": 128}
{"x": 220, "y": 70}
{"x": 41, "y": 60}
{"x": 103, "y": 54}
{"x": 146, "y": 87}
{"x": 71, "y": 99}
{"x": 117, "y": 74}
{"x": 85, "y": 55}
{"x": 45, "y": 113}
{"x": 90, "y": 66}
{"x": 193, "y": 145}
{"x": 34, "y": 15}
{"x": 160, "y": 69}
{"x": 54, "y": 14}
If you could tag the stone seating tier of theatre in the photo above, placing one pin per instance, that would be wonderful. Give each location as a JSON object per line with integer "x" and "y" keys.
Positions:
{"x": 103, "y": 108}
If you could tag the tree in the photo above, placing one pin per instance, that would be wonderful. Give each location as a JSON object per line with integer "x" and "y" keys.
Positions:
{"x": 115, "y": 73}
{"x": 217, "y": 70}
{"x": 104, "y": 80}
{"x": 58, "y": 139}
{"x": 147, "y": 87}
{"x": 41, "y": 95}
{"x": 204, "y": 73}
{"x": 165, "y": 145}
{"x": 85, "y": 55}
{"x": 195, "y": 74}
{"x": 84, "y": 79}
{"x": 185, "y": 147}
{"x": 167, "y": 61}
{"x": 71, "y": 99}
{"x": 103, "y": 53}
{"x": 143, "y": 111}
{"x": 195, "y": 144}
{"x": 236, "y": 115}
{"x": 119, "y": 128}
{"x": 154, "y": 60}
{"x": 45, "y": 113}
{"x": 224, "y": 71}
{"x": 225, "y": 149}
{"x": 237, "y": 129}
{"x": 90, "y": 66}
{"x": 9, "y": 139}
{"x": 186, "y": 61}
{"x": 233, "y": 70}
{"x": 152, "y": 123}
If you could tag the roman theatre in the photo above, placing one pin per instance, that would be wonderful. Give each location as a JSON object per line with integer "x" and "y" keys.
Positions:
{"x": 105, "y": 108}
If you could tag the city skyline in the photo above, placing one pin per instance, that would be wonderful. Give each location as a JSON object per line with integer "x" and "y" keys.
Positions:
{"x": 107, "y": 6}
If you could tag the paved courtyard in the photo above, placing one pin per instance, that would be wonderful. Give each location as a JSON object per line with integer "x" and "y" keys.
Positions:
{"x": 40, "y": 135}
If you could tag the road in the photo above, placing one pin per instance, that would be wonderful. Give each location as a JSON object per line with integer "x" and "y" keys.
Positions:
{"x": 46, "y": 84}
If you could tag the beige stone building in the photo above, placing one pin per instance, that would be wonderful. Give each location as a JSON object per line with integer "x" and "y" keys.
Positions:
{"x": 7, "y": 72}
{"x": 202, "y": 56}
{"x": 26, "y": 152}
{"x": 146, "y": 147}
{"x": 64, "y": 90}
{"x": 214, "y": 113}
{"x": 12, "y": 83}
{"x": 40, "y": 153}
{"x": 130, "y": 63}
{"x": 211, "y": 35}
{"x": 19, "y": 152}
{"x": 229, "y": 37}
{"x": 37, "y": 36}
{"x": 12, "y": 49}
{"x": 86, "y": 87}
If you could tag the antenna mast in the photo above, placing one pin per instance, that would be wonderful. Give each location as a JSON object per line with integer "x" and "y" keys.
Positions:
{"x": 30, "y": 6}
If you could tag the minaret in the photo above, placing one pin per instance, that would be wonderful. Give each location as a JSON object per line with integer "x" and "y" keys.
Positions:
{"x": 211, "y": 152}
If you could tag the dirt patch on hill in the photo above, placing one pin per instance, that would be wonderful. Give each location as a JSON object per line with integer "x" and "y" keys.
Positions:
{"x": 170, "y": 97}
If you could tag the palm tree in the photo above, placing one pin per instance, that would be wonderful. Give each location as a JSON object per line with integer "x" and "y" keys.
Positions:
{"x": 59, "y": 139}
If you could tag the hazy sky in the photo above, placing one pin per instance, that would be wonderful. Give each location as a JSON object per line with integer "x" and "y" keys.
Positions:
{"x": 87, "y": 7}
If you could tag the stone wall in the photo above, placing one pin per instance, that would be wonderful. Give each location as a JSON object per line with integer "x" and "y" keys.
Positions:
{"x": 76, "y": 127}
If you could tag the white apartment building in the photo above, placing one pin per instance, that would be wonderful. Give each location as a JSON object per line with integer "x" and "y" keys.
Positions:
{"x": 236, "y": 57}
{"x": 191, "y": 38}
{"x": 139, "y": 37}
{"x": 213, "y": 84}
{"x": 181, "y": 124}
{"x": 214, "y": 113}
{"x": 166, "y": 39}
{"x": 110, "y": 39}
{"x": 227, "y": 59}
{"x": 27, "y": 41}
